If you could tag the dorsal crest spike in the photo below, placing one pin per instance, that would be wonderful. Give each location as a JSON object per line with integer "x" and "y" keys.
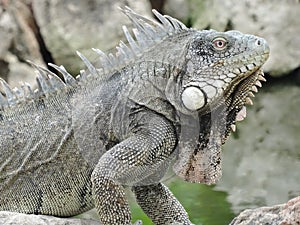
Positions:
{"x": 56, "y": 82}
{"x": 43, "y": 83}
{"x": 89, "y": 65}
{"x": 121, "y": 55}
{"x": 69, "y": 79}
{"x": 142, "y": 39}
{"x": 176, "y": 23}
{"x": 106, "y": 63}
{"x": 42, "y": 80}
{"x": 147, "y": 32}
{"x": 83, "y": 74}
{"x": 134, "y": 46}
{"x": 10, "y": 96}
{"x": 47, "y": 81}
{"x": 166, "y": 22}
{"x": 126, "y": 49}
{"x": 27, "y": 91}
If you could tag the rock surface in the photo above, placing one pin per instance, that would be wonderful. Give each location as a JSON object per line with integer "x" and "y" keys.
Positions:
{"x": 18, "y": 43}
{"x": 52, "y": 31}
{"x": 284, "y": 214}
{"x": 68, "y": 26}
{"x": 12, "y": 218}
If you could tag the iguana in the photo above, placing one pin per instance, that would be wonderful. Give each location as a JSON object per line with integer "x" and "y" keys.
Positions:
{"x": 171, "y": 95}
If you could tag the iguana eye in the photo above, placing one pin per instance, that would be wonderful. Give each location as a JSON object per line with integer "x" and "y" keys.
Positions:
{"x": 219, "y": 43}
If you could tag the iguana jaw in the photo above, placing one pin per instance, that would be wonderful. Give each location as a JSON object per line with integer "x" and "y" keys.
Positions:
{"x": 240, "y": 97}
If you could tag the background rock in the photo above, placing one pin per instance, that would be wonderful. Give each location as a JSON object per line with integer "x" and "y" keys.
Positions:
{"x": 177, "y": 8}
{"x": 13, "y": 218}
{"x": 71, "y": 25}
{"x": 284, "y": 214}
{"x": 18, "y": 43}
{"x": 52, "y": 31}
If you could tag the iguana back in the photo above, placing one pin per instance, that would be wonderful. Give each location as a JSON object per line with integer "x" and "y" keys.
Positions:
{"x": 48, "y": 152}
{"x": 42, "y": 171}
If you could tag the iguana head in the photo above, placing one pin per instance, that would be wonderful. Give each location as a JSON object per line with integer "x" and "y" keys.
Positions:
{"x": 221, "y": 71}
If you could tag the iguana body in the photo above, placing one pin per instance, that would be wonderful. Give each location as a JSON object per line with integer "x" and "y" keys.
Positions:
{"x": 73, "y": 145}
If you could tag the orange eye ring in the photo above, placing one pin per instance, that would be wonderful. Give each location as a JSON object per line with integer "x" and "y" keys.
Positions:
{"x": 219, "y": 43}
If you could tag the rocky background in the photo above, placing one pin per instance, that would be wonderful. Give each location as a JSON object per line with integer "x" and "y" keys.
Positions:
{"x": 262, "y": 159}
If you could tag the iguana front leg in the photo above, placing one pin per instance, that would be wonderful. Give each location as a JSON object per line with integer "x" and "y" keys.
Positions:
{"x": 161, "y": 205}
{"x": 151, "y": 141}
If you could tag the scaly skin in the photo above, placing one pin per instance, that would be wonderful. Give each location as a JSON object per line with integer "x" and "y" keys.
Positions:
{"x": 175, "y": 92}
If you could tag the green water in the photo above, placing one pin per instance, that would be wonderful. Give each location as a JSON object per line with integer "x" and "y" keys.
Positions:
{"x": 204, "y": 205}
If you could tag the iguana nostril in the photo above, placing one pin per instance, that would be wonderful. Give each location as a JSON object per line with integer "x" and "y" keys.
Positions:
{"x": 261, "y": 43}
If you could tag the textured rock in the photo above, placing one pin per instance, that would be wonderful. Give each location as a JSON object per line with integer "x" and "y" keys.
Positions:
{"x": 67, "y": 26}
{"x": 285, "y": 214}
{"x": 278, "y": 22}
{"x": 18, "y": 42}
{"x": 64, "y": 26}
{"x": 264, "y": 151}
{"x": 178, "y": 9}
{"x": 7, "y": 31}
{"x": 12, "y": 218}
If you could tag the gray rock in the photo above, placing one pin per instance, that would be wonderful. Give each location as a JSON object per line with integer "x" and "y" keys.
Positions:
{"x": 19, "y": 72}
{"x": 261, "y": 161}
{"x": 178, "y": 9}
{"x": 18, "y": 43}
{"x": 277, "y": 21}
{"x": 7, "y": 31}
{"x": 67, "y": 26}
{"x": 13, "y": 218}
{"x": 284, "y": 214}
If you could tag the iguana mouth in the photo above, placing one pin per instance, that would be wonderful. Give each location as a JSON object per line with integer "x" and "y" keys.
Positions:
{"x": 239, "y": 98}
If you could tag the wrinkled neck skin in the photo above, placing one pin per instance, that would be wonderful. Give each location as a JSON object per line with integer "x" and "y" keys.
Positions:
{"x": 200, "y": 142}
